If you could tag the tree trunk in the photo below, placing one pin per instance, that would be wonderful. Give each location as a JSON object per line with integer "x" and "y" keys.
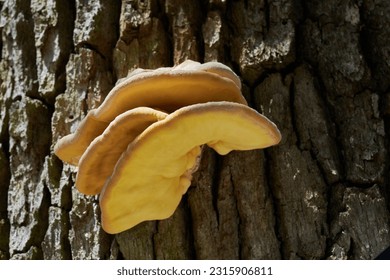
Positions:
{"x": 319, "y": 69}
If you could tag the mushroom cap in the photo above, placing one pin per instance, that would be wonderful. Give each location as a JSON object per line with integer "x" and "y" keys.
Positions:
{"x": 98, "y": 161}
{"x": 211, "y": 67}
{"x": 169, "y": 89}
{"x": 155, "y": 171}
{"x": 221, "y": 70}
{"x": 166, "y": 89}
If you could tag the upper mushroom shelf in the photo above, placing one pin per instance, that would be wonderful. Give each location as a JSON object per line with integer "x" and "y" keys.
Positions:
{"x": 166, "y": 89}
{"x": 141, "y": 145}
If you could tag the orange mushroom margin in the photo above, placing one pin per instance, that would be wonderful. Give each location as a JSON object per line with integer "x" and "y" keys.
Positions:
{"x": 139, "y": 148}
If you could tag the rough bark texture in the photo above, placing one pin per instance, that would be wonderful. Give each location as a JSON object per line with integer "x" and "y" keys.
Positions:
{"x": 319, "y": 69}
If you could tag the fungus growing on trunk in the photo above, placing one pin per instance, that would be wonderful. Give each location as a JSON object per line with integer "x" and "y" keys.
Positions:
{"x": 139, "y": 148}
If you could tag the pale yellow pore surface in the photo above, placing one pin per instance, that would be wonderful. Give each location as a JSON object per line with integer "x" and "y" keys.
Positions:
{"x": 166, "y": 89}
{"x": 98, "y": 161}
{"x": 146, "y": 182}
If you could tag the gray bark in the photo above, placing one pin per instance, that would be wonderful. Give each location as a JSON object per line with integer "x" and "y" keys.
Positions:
{"x": 319, "y": 69}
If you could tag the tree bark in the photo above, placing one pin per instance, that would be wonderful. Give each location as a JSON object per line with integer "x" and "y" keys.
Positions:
{"x": 319, "y": 69}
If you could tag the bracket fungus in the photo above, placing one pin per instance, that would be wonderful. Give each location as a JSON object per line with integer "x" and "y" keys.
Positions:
{"x": 139, "y": 148}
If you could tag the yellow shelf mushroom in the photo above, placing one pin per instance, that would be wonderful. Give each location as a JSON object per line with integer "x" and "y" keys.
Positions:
{"x": 155, "y": 170}
{"x": 139, "y": 148}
